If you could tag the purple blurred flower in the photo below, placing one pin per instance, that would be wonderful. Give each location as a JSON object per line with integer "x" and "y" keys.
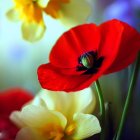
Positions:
{"x": 125, "y": 10}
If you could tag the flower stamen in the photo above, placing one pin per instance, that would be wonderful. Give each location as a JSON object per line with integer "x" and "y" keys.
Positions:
{"x": 89, "y": 62}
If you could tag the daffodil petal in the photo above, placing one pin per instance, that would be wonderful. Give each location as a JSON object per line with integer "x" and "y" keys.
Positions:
{"x": 33, "y": 116}
{"x": 38, "y": 116}
{"x": 72, "y": 13}
{"x": 86, "y": 126}
{"x": 60, "y": 120}
{"x": 84, "y": 101}
{"x": 15, "y": 117}
{"x": 13, "y": 15}
{"x": 33, "y": 31}
{"x": 40, "y": 100}
{"x": 55, "y": 100}
{"x": 28, "y": 134}
{"x": 43, "y": 3}
{"x": 81, "y": 101}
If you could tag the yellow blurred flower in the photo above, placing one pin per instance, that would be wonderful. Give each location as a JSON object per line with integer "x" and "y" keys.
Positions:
{"x": 71, "y": 12}
{"x": 58, "y": 116}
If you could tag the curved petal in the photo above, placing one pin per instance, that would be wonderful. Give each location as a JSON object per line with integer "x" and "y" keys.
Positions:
{"x": 38, "y": 117}
{"x": 28, "y": 134}
{"x": 33, "y": 31}
{"x": 15, "y": 117}
{"x": 58, "y": 101}
{"x": 50, "y": 78}
{"x": 52, "y": 99}
{"x": 75, "y": 12}
{"x": 128, "y": 50}
{"x": 86, "y": 126}
{"x": 13, "y": 15}
{"x": 84, "y": 100}
{"x": 81, "y": 101}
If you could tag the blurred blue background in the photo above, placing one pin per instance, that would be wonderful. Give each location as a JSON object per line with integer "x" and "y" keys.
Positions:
{"x": 20, "y": 59}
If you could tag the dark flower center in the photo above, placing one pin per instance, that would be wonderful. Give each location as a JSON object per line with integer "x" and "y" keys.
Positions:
{"x": 89, "y": 62}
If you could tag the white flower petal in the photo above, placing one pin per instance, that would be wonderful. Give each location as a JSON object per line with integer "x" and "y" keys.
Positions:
{"x": 60, "y": 120}
{"x": 32, "y": 31}
{"x": 38, "y": 116}
{"x": 86, "y": 126}
{"x": 15, "y": 117}
{"x": 43, "y": 3}
{"x": 28, "y": 134}
{"x": 55, "y": 100}
{"x": 67, "y": 103}
{"x": 84, "y": 101}
{"x": 13, "y": 15}
{"x": 39, "y": 101}
{"x": 33, "y": 116}
{"x": 75, "y": 12}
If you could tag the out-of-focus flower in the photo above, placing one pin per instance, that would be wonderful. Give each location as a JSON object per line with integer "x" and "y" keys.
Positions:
{"x": 125, "y": 10}
{"x": 57, "y": 115}
{"x": 84, "y": 53}
{"x": 121, "y": 10}
{"x": 11, "y": 100}
{"x": 71, "y": 12}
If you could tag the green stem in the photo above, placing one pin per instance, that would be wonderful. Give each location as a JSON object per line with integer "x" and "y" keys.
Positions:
{"x": 102, "y": 107}
{"x": 128, "y": 98}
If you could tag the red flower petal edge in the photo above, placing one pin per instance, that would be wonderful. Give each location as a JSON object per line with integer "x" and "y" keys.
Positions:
{"x": 11, "y": 100}
{"x": 86, "y": 52}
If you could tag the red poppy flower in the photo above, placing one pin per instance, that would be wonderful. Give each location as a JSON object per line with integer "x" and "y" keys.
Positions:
{"x": 84, "y": 53}
{"x": 11, "y": 100}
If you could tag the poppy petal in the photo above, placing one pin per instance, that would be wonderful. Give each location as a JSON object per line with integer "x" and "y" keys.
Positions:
{"x": 13, "y": 99}
{"x": 111, "y": 34}
{"x": 50, "y": 78}
{"x": 74, "y": 43}
{"x": 129, "y": 47}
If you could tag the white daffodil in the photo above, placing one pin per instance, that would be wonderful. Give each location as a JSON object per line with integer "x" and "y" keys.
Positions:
{"x": 58, "y": 116}
{"x": 71, "y": 12}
